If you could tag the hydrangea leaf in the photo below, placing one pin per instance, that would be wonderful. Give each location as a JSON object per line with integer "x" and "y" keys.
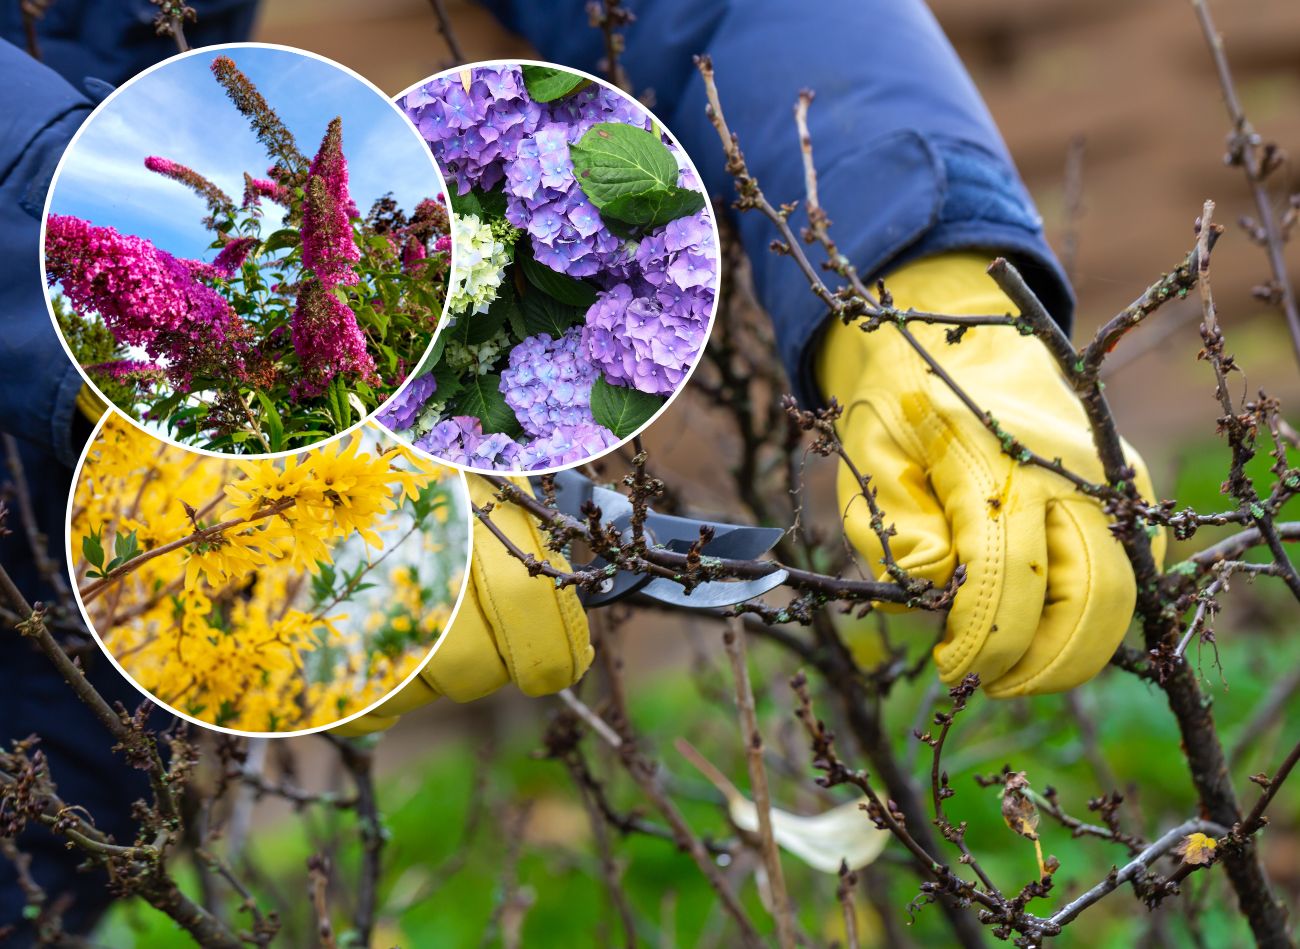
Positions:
{"x": 482, "y": 399}
{"x": 546, "y": 83}
{"x": 654, "y": 208}
{"x": 449, "y": 382}
{"x": 620, "y": 409}
{"x": 614, "y": 160}
{"x": 562, "y": 287}
{"x": 484, "y": 205}
{"x": 470, "y": 329}
{"x": 545, "y": 314}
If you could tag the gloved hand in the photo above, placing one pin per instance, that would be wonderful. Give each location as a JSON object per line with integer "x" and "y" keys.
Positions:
{"x": 1049, "y": 591}
{"x": 510, "y": 627}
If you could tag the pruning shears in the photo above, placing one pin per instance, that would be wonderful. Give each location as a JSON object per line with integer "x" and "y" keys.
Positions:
{"x": 667, "y": 532}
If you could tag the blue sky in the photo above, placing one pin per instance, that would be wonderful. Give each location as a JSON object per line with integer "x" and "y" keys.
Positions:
{"x": 181, "y": 113}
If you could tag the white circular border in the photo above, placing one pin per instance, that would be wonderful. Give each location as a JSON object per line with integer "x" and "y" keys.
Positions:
{"x": 72, "y": 574}
{"x": 717, "y": 284}
{"x": 103, "y": 106}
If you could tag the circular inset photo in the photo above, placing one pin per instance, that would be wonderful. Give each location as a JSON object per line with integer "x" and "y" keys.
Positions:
{"x": 270, "y": 596}
{"x": 586, "y": 269}
{"x": 246, "y": 249}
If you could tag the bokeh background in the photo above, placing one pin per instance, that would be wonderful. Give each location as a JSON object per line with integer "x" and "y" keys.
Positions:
{"x": 1131, "y": 81}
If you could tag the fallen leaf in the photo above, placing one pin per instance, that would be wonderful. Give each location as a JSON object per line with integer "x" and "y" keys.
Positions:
{"x": 822, "y": 840}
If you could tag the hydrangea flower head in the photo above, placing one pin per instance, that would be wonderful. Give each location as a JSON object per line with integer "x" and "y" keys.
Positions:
{"x": 474, "y": 122}
{"x": 481, "y": 260}
{"x": 460, "y": 440}
{"x": 637, "y": 343}
{"x": 403, "y": 410}
{"x": 548, "y": 382}
{"x": 567, "y": 445}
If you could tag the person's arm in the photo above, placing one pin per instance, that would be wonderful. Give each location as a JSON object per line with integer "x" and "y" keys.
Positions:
{"x": 910, "y": 162}
{"x": 39, "y": 113}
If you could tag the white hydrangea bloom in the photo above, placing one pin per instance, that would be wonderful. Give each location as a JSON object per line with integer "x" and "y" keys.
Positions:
{"x": 481, "y": 259}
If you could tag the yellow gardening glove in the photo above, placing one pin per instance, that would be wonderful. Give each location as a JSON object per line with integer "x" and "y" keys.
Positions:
{"x": 1049, "y": 591}
{"x": 89, "y": 404}
{"x": 510, "y": 627}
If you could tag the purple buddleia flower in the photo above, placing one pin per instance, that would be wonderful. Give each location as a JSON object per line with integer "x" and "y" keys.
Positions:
{"x": 639, "y": 344}
{"x": 402, "y": 411}
{"x": 460, "y": 440}
{"x": 548, "y": 382}
{"x": 566, "y": 445}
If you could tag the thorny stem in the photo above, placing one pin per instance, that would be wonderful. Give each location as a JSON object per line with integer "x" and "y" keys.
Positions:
{"x": 1244, "y": 150}
{"x": 609, "y": 16}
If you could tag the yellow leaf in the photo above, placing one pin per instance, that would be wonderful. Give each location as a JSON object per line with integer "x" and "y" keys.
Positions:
{"x": 1197, "y": 848}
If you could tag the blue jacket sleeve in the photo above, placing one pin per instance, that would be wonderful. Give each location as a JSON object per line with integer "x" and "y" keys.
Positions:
{"x": 112, "y": 40}
{"x": 910, "y": 162}
{"x": 39, "y": 113}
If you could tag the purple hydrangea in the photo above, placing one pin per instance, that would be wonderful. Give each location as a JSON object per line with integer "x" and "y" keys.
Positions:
{"x": 680, "y": 255}
{"x": 638, "y": 343}
{"x": 548, "y": 382}
{"x": 474, "y": 132}
{"x": 543, "y": 198}
{"x": 402, "y": 411}
{"x": 567, "y": 445}
{"x": 460, "y": 440}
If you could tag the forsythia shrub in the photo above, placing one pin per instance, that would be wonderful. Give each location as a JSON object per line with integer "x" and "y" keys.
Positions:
{"x": 270, "y": 595}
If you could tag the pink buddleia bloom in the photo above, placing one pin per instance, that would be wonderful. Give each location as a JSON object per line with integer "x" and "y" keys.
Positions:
{"x": 146, "y": 297}
{"x": 233, "y": 255}
{"x": 328, "y": 340}
{"x": 328, "y": 249}
{"x": 255, "y": 189}
{"x": 217, "y": 200}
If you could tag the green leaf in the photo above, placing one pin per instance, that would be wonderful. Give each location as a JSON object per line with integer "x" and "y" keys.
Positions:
{"x": 271, "y": 422}
{"x": 654, "y": 208}
{"x": 620, "y": 409}
{"x": 614, "y": 160}
{"x": 126, "y": 546}
{"x": 546, "y": 83}
{"x": 379, "y": 319}
{"x": 284, "y": 237}
{"x": 545, "y": 314}
{"x": 92, "y": 548}
{"x": 564, "y": 288}
{"x": 483, "y": 400}
{"x": 470, "y": 329}
{"x": 484, "y": 205}
{"x": 449, "y": 383}
{"x": 339, "y": 408}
